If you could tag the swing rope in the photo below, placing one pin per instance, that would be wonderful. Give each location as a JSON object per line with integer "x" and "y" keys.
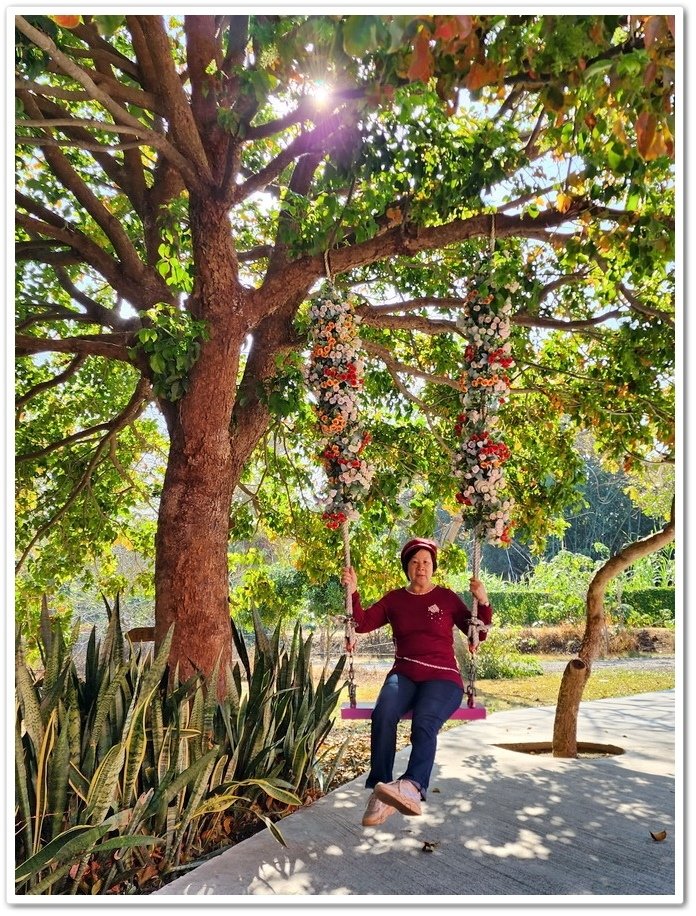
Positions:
{"x": 476, "y": 625}
{"x": 349, "y": 623}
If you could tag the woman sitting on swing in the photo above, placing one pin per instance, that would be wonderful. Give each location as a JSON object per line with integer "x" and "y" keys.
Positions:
{"x": 424, "y": 677}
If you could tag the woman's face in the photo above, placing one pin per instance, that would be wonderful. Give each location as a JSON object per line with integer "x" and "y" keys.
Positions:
{"x": 420, "y": 567}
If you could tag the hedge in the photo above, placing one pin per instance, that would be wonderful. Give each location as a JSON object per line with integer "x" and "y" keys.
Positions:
{"x": 522, "y": 607}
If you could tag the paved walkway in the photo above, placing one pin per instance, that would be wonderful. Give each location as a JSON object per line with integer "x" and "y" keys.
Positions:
{"x": 498, "y": 824}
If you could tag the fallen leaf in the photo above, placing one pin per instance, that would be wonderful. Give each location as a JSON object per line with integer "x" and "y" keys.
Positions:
{"x": 662, "y": 835}
{"x": 435, "y": 790}
{"x": 428, "y": 846}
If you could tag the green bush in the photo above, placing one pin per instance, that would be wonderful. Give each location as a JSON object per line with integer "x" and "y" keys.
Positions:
{"x": 122, "y": 778}
{"x": 646, "y": 607}
{"x": 497, "y": 656}
{"x": 518, "y": 607}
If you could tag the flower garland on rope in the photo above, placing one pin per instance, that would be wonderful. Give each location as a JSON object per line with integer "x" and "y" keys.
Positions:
{"x": 481, "y": 452}
{"x": 335, "y": 374}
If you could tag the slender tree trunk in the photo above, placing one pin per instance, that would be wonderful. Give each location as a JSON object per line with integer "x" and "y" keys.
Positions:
{"x": 578, "y": 670}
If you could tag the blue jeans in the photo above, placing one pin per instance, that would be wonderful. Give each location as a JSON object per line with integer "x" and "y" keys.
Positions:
{"x": 432, "y": 702}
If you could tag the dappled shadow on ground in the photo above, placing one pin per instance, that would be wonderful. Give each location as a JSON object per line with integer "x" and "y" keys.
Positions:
{"x": 489, "y": 828}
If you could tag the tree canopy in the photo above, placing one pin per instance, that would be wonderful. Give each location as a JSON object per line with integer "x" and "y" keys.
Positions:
{"x": 184, "y": 183}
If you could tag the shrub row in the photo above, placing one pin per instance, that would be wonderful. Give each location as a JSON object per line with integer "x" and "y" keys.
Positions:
{"x": 637, "y": 607}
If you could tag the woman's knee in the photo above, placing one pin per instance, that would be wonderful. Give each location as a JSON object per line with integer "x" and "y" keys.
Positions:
{"x": 385, "y": 716}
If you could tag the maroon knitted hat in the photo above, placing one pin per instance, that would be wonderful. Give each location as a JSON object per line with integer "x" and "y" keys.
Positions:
{"x": 414, "y": 545}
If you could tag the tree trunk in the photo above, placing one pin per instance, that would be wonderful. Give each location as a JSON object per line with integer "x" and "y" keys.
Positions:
{"x": 191, "y": 576}
{"x": 577, "y": 672}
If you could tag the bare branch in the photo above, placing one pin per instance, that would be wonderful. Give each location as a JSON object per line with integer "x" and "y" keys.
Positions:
{"x": 88, "y": 433}
{"x": 63, "y": 376}
{"x": 383, "y": 353}
{"x": 190, "y": 172}
{"x": 644, "y": 309}
{"x": 94, "y": 311}
{"x": 255, "y": 254}
{"x": 407, "y": 322}
{"x": 393, "y": 368}
{"x": 127, "y": 416}
{"x": 73, "y": 182}
{"x": 311, "y": 141}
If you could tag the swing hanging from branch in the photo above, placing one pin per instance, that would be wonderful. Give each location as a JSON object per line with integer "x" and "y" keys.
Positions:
{"x": 335, "y": 375}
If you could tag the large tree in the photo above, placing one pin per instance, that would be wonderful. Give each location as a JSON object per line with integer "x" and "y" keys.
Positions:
{"x": 184, "y": 183}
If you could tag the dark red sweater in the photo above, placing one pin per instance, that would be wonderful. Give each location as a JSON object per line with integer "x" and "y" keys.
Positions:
{"x": 422, "y": 630}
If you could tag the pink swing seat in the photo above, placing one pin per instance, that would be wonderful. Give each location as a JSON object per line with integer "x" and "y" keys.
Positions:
{"x": 364, "y": 711}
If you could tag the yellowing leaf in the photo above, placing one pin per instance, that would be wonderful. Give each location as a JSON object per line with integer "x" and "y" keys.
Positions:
{"x": 563, "y": 202}
{"x": 484, "y": 74}
{"x": 645, "y": 132}
{"x": 658, "y": 837}
{"x": 421, "y": 66}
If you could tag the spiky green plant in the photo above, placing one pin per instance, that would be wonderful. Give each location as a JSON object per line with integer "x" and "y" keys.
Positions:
{"x": 123, "y": 773}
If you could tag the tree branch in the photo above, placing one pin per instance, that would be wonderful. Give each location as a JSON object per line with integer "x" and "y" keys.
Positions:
{"x": 407, "y": 322}
{"x": 73, "y": 183}
{"x": 110, "y": 346}
{"x": 94, "y": 311}
{"x": 189, "y": 171}
{"x": 63, "y": 376}
{"x": 393, "y": 367}
{"x": 178, "y": 108}
{"x": 311, "y": 141}
{"x": 127, "y": 416}
{"x": 383, "y": 353}
{"x": 63, "y": 443}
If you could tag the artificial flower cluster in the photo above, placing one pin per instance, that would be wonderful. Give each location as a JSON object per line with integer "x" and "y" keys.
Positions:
{"x": 335, "y": 375}
{"x": 481, "y": 454}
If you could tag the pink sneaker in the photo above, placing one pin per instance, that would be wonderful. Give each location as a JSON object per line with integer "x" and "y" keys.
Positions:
{"x": 376, "y": 812}
{"x": 402, "y": 794}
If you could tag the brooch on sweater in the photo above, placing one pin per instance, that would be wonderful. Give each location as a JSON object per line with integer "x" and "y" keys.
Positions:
{"x": 434, "y": 611}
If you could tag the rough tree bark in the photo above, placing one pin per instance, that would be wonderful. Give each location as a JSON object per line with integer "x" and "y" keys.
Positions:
{"x": 578, "y": 670}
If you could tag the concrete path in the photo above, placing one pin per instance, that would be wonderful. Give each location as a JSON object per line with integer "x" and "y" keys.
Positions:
{"x": 498, "y": 824}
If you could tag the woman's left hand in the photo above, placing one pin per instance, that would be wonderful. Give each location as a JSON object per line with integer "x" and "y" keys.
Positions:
{"x": 478, "y": 590}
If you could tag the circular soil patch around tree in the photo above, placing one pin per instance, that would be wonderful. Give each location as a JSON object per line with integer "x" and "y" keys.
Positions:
{"x": 586, "y": 749}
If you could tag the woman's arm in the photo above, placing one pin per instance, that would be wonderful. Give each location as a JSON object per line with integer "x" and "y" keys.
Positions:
{"x": 484, "y": 611}
{"x": 366, "y": 619}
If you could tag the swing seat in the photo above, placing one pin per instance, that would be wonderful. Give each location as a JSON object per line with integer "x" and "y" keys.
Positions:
{"x": 364, "y": 711}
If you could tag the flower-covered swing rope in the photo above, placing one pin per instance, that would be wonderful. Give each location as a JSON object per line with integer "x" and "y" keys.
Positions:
{"x": 481, "y": 451}
{"x": 334, "y": 374}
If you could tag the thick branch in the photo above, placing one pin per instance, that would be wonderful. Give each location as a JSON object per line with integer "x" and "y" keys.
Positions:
{"x": 408, "y": 240}
{"x": 175, "y": 100}
{"x": 190, "y": 172}
{"x": 110, "y": 346}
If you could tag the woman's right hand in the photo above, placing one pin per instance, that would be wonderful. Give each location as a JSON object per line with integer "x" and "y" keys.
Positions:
{"x": 350, "y": 579}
